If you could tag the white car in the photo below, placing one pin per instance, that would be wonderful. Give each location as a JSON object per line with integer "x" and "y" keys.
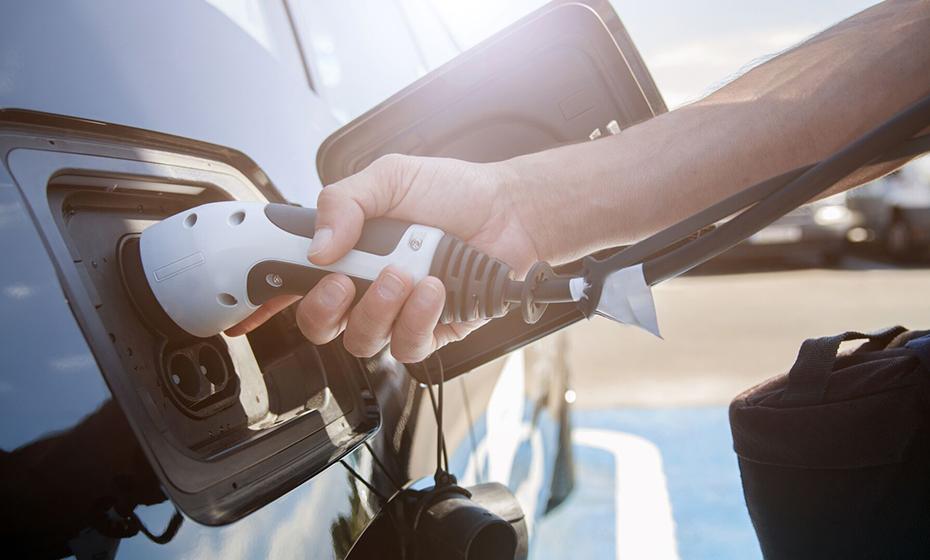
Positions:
{"x": 114, "y": 115}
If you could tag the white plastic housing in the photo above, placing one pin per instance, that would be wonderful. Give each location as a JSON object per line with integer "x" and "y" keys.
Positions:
{"x": 197, "y": 262}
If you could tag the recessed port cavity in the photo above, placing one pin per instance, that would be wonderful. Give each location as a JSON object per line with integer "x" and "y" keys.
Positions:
{"x": 212, "y": 365}
{"x": 183, "y": 375}
{"x": 199, "y": 377}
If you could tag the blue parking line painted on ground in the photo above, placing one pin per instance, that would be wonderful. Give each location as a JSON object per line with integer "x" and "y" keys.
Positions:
{"x": 583, "y": 525}
{"x": 703, "y": 485}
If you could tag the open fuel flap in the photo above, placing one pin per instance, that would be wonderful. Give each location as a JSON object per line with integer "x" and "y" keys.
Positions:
{"x": 228, "y": 424}
{"x": 566, "y": 73}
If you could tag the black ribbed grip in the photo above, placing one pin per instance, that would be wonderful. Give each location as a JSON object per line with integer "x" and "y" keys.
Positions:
{"x": 475, "y": 283}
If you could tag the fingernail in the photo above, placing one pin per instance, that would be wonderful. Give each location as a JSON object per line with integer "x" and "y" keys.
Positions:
{"x": 321, "y": 240}
{"x": 332, "y": 294}
{"x": 432, "y": 295}
{"x": 390, "y": 286}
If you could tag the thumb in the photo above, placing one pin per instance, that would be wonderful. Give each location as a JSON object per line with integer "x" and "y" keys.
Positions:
{"x": 343, "y": 207}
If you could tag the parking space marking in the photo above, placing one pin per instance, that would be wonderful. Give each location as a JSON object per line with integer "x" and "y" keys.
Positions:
{"x": 644, "y": 527}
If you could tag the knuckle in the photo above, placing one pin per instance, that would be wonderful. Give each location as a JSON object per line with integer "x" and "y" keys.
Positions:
{"x": 388, "y": 162}
{"x": 405, "y": 356}
{"x": 411, "y": 340}
{"x": 311, "y": 330}
{"x": 362, "y": 337}
{"x": 412, "y": 330}
{"x": 315, "y": 324}
{"x": 365, "y": 319}
{"x": 319, "y": 313}
{"x": 392, "y": 169}
{"x": 360, "y": 345}
{"x": 328, "y": 198}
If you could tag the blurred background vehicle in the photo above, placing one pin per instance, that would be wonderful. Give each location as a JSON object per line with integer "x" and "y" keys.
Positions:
{"x": 819, "y": 232}
{"x": 895, "y": 211}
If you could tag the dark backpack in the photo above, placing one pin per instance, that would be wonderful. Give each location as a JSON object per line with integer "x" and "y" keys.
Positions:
{"x": 835, "y": 455}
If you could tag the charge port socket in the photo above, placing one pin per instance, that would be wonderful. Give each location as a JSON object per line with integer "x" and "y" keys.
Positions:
{"x": 199, "y": 376}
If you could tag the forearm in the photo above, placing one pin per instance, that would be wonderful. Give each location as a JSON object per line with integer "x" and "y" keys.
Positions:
{"x": 791, "y": 111}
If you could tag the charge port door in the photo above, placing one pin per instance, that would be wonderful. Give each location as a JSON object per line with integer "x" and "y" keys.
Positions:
{"x": 228, "y": 424}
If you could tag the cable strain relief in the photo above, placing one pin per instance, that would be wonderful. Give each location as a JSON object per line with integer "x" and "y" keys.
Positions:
{"x": 594, "y": 273}
{"x": 476, "y": 283}
{"x": 533, "y": 310}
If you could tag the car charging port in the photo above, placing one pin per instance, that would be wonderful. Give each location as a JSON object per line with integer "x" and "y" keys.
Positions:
{"x": 198, "y": 376}
{"x": 215, "y": 414}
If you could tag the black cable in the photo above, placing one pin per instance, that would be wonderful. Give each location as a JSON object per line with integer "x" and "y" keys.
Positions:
{"x": 442, "y": 383}
{"x": 432, "y": 399}
{"x": 381, "y": 466}
{"x": 388, "y": 509}
{"x": 813, "y": 181}
{"x": 699, "y": 225}
{"x": 662, "y": 240}
{"x": 167, "y": 535}
{"x": 437, "y": 414}
{"x": 363, "y": 481}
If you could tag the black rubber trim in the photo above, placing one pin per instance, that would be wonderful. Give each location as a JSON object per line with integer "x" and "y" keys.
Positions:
{"x": 814, "y": 180}
{"x": 699, "y": 225}
{"x": 295, "y": 280}
{"x": 380, "y": 236}
{"x": 140, "y": 293}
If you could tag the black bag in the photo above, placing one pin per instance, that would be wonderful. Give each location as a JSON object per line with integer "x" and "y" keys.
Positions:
{"x": 835, "y": 455}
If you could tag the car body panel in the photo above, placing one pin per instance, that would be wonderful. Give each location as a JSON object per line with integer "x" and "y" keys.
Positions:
{"x": 178, "y": 67}
{"x": 45, "y": 388}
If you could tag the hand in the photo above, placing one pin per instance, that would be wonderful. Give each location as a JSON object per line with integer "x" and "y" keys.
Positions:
{"x": 469, "y": 200}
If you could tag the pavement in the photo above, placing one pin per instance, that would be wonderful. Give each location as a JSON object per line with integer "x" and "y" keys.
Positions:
{"x": 656, "y": 475}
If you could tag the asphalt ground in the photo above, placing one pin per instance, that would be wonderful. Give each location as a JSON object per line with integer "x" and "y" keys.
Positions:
{"x": 656, "y": 475}
{"x": 733, "y": 326}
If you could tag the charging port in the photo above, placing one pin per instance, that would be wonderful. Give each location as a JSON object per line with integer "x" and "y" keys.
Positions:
{"x": 227, "y": 423}
{"x": 199, "y": 377}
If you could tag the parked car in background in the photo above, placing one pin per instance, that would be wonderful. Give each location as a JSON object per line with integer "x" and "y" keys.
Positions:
{"x": 820, "y": 231}
{"x": 896, "y": 210}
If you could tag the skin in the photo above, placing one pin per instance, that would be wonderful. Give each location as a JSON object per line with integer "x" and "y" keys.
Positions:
{"x": 795, "y": 109}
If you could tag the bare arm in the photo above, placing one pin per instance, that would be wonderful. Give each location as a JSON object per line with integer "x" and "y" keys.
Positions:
{"x": 563, "y": 203}
{"x": 793, "y": 110}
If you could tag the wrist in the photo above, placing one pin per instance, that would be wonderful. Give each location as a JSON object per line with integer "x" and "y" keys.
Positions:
{"x": 528, "y": 199}
{"x": 570, "y": 198}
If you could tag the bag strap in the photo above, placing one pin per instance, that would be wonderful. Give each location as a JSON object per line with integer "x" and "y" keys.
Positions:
{"x": 807, "y": 380}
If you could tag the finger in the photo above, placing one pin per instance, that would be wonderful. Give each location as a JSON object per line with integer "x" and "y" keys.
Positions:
{"x": 454, "y": 332}
{"x": 343, "y": 207}
{"x": 321, "y": 314}
{"x": 371, "y": 320}
{"x": 412, "y": 339}
{"x": 266, "y": 311}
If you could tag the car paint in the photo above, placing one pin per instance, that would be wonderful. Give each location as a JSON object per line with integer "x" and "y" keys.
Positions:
{"x": 198, "y": 72}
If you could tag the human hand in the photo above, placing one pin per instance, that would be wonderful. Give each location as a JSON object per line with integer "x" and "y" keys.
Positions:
{"x": 469, "y": 200}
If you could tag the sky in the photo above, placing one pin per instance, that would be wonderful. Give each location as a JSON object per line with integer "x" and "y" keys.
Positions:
{"x": 690, "y": 47}
{"x": 363, "y": 51}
